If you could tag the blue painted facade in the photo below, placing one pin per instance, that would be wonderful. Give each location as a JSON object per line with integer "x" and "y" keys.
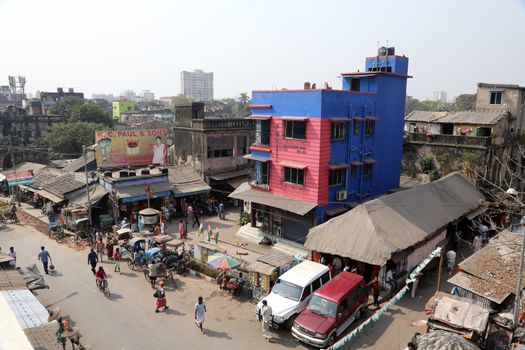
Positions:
{"x": 377, "y": 98}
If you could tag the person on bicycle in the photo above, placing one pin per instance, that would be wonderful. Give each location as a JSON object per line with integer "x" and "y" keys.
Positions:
{"x": 100, "y": 276}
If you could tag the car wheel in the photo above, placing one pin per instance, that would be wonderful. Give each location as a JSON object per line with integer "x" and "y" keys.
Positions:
{"x": 358, "y": 314}
{"x": 290, "y": 321}
{"x": 331, "y": 340}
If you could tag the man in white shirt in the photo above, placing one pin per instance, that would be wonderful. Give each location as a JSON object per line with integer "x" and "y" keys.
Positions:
{"x": 266, "y": 313}
{"x": 12, "y": 253}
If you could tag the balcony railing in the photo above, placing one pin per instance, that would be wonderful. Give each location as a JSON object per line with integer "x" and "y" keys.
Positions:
{"x": 221, "y": 124}
{"x": 453, "y": 140}
{"x": 262, "y": 138}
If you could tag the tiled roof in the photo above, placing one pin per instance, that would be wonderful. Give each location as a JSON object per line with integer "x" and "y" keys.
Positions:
{"x": 480, "y": 116}
{"x": 65, "y": 183}
{"x": 77, "y": 164}
{"x": 25, "y": 166}
{"x": 45, "y": 175}
{"x": 484, "y": 117}
{"x": 182, "y": 174}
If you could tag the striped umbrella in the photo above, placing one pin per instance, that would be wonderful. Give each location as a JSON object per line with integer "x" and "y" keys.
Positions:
{"x": 222, "y": 262}
{"x": 441, "y": 340}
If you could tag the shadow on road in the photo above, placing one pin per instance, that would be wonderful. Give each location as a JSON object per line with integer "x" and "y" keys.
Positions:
{"x": 175, "y": 312}
{"x": 215, "y": 334}
{"x": 115, "y": 296}
{"x": 55, "y": 273}
{"x": 129, "y": 274}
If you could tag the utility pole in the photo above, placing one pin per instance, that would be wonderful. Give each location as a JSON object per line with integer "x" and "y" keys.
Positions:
{"x": 84, "y": 149}
{"x": 14, "y": 170}
{"x": 517, "y": 300}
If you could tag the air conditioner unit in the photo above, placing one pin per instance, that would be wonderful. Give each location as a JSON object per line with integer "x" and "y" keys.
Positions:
{"x": 340, "y": 195}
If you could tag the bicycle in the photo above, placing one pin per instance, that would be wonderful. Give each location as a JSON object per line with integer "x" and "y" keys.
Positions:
{"x": 102, "y": 286}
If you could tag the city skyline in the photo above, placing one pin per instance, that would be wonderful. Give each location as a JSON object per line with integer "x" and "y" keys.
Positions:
{"x": 247, "y": 52}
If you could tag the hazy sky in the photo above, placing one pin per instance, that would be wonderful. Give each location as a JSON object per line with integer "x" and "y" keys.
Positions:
{"x": 106, "y": 46}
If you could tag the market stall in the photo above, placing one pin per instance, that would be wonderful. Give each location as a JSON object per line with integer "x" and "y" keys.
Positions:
{"x": 202, "y": 250}
{"x": 265, "y": 271}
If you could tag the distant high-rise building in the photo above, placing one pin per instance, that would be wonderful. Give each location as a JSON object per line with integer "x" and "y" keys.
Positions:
{"x": 148, "y": 96}
{"x": 440, "y": 96}
{"x": 128, "y": 94}
{"x": 197, "y": 84}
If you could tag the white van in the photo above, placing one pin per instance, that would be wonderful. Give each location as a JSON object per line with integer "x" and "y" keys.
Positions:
{"x": 293, "y": 290}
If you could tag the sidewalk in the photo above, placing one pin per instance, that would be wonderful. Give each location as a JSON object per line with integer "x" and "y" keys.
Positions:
{"x": 227, "y": 236}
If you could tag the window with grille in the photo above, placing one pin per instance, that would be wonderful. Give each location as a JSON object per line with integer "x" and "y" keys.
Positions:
{"x": 294, "y": 176}
{"x": 295, "y": 129}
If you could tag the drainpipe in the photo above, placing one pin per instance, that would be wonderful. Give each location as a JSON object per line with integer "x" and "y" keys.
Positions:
{"x": 362, "y": 152}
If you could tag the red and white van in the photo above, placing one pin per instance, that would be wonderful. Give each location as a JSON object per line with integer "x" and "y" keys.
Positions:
{"x": 331, "y": 310}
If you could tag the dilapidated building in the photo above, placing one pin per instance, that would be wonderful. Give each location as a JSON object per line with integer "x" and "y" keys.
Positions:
{"x": 486, "y": 139}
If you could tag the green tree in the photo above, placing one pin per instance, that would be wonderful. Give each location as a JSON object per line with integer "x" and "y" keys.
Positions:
{"x": 65, "y": 140}
{"x": 65, "y": 107}
{"x": 180, "y": 99}
{"x": 465, "y": 102}
{"x": 244, "y": 99}
{"x": 411, "y": 104}
{"x": 90, "y": 113}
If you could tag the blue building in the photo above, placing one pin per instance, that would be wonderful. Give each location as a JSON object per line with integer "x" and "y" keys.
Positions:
{"x": 319, "y": 152}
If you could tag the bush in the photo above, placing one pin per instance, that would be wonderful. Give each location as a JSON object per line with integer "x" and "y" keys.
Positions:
{"x": 200, "y": 267}
{"x": 245, "y": 218}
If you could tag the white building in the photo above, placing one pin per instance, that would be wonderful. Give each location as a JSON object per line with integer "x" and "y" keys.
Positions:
{"x": 440, "y": 96}
{"x": 197, "y": 84}
{"x": 148, "y": 96}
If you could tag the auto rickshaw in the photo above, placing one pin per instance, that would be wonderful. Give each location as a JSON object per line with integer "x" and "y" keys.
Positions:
{"x": 78, "y": 225}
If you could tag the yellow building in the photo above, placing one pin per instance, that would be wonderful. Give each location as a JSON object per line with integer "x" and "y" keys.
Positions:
{"x": 123, "y": 106}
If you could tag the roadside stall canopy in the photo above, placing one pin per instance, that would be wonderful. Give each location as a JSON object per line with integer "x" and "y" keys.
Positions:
{"x": 96, "y": 194}
{"x": 246, "y": 193}
{"x": 52, "y": 197}
{"x": 492, "y": 271}
{"x": 372, "y": 232}
{"x": 138, "y": 192}
{"x": 462, "y": 314}
{"x": 441, "y": 340}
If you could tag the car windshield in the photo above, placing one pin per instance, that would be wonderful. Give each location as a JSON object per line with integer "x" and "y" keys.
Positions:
{"x": 322, "y": 306}
{"x": 287, "y": 290}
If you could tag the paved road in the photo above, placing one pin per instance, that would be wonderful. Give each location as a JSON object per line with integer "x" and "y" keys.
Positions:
{"x": 128, "y": 320}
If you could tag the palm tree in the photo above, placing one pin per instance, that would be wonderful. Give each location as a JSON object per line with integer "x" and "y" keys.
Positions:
{"x": 244, "y": 99}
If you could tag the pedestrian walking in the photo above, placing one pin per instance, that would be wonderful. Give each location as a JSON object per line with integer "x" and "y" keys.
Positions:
{"x": 45, "y": 258}
{"x": 166, "y": 214}
{"x": 99, "y": 247}
{"x": 153, "y": 268}
{"x": 266, "y": 315}
{"x": 162, "y": 228}
{"x": 451, "y": 260}
{"x": 156, "y": 231}
{"x": 93, "y": 260}
{"x": 477, "y": 243}
{"x": 376, "y": 288}
{"x": 182, "y": 230}
{"x": 200, "y": 311}
{"x": 12, "y": 253}
{"x": 195, "y": 220}
{"x": 189, "y": 213}
{"x": 117, "y": 256}
{"x": 160, "y": 294}
{"x": 222, "y": 215}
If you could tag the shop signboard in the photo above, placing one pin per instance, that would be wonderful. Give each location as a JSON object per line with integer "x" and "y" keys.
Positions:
{"x": 131, "y": 147}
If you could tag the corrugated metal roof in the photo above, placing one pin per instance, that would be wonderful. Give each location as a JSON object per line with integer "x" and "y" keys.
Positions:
{"x": 65, "y": 183}
{"x": 375, "y": 230}
{"x": 77, "y": 164}
{"x": 246, "y": 193}
{"x": 186, "y": 180}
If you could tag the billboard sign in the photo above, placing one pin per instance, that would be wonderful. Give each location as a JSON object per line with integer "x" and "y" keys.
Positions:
{"x": 131, "y": 147}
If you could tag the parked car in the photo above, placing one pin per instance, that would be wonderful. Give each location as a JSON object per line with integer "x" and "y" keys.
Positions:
{"x": 331, "y": 310}
{"x": 293, "y": 290}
